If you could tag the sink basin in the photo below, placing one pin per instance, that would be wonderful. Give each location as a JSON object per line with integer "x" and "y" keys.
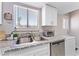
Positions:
{"x": 28, "y": 40}
{"x": 40, "y": 39}
{"x": 23, "y": 40}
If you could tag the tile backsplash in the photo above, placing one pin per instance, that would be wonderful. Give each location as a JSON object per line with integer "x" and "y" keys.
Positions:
{"x": 48, "y": 31}
{"x": 48, "y": 28}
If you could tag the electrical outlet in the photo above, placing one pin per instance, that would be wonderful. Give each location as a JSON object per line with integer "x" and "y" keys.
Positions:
{"x": 76, "y": 49}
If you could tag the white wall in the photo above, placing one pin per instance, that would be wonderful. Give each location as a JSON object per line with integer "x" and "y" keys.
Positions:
{"x": 6, "y": 25}
{"x": 59, "y": 29}
{"x": 74, "y": 25}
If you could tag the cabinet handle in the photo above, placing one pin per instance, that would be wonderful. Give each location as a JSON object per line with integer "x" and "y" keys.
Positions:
{"x": 57, "y": 42}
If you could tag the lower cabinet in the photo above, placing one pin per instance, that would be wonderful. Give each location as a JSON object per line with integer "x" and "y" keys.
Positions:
{"x": 64, "y": 47}
{"x": 38, "y": 50}
{"x": 70, "y": 47}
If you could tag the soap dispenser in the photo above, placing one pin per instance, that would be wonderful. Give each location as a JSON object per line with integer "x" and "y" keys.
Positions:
{"x": 18, "y": 41}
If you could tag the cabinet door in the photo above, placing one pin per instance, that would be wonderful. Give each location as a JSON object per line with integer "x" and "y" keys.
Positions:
{"x": 70, "y": 47}
{"x": 38, "y": 50}
{"x": 19, "y": 52}
{"x": 43, "y": 50}
{"x": 49, "y": 16}
{"x": 54, "y": 16}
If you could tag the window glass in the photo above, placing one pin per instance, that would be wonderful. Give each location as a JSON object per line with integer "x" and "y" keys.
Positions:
{"x": 26, "y": 16}
{"x": 0, "y": 13}
{"x": 22, "y": 16}
{"x": 65, "y": 22}
{"x": 32, "y": 17}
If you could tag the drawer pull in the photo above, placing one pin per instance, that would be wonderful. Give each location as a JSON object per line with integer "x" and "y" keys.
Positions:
{"x": 57, "y": 42}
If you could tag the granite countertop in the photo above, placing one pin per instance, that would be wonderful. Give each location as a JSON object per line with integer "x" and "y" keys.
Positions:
{"x": 10, "y": 45}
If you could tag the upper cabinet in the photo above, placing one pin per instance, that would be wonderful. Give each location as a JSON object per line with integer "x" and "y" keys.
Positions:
{"x": 0, "y": 12}
{"x": 49, "y": 16}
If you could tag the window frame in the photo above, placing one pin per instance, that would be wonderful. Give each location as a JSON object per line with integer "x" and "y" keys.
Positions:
{"x": 0, "y": 13}
{"x": 18, "y": 26}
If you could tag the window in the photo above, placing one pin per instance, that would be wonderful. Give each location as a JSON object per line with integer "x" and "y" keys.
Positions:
{"x": 25, "y": 16}
{"x": 0, "y": 13}
{"x": 65, "y": 22}
{"x": 32, "y": 17}
{"x": 21, "y": 16}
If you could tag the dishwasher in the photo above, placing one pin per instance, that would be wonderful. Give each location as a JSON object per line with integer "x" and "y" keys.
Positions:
{"x": 57, "y": 48}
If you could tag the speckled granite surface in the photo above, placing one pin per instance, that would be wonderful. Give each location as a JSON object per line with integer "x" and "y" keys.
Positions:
{"x": 10, "y": 45}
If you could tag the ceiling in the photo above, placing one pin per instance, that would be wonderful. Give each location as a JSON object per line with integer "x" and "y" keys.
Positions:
{"x": 62, "y": 7}
{"x": 65, "y": 7}
{"x": 35, "y": 4}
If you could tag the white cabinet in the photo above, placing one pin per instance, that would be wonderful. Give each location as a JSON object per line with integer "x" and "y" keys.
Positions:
{"x": 70, "y": 47}
{"x": 49, "y": 16}
{"x": 39, "y": 50}
{"x": 0, "y": 12}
